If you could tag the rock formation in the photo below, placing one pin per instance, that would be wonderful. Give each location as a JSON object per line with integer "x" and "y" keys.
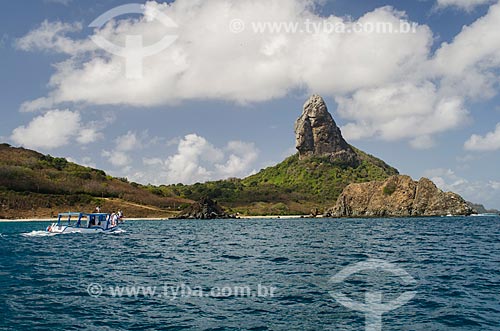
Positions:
{"x": 398, "y": 196}
{"x": 203, "y": 210}
{"x": 481, "y": 209}
{"x": 317, "y": 134}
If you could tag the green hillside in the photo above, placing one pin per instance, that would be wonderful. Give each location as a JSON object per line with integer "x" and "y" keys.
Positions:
{"x": 37, "y": 185}
{"x": 292, "y": 187}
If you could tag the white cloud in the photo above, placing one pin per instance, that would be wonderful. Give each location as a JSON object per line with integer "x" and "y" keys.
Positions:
{"x": 128, "y": 142}
{"x": 446, "y": 179}
{"x": 58, "y": 2}
{"x": 119, "y": 156}
{"x": 401, "y": 111}
{"x": 55, "y": 128}
{"x": 152, "y": 161}
{"x": 88, "y": 135}
{"x": 52, "y": 36}
{"x": 186, "y": 166}
{"x": 387, "y": 85}
{"x": 422, "y": 142}
{"x": 197, "y": 160}
{"x": 468, "y": 65}
{"x": 490, "y": 142}
{"x": 241, "y": 156}
{"x": 484, "y": 192}
{"x": 467, "y": 5}
{"x": 495, "y": 184}
{"x": 432, "y": 101}
{"x": 249, "y": 66}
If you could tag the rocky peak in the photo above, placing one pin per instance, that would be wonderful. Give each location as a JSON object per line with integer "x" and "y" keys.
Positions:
{"x": 317, "y": 134}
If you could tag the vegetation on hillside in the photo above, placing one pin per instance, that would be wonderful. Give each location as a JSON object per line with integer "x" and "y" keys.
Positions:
{"x": 35, "y": 185}
{"x": 30, "y": 181}
{"x": 292, "y": 187}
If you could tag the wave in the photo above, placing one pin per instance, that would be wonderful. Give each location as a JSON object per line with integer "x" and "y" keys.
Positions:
{"x": 116, "y": 232}
{"x": 50, "y": 234}
{"x": 38, "y": 234}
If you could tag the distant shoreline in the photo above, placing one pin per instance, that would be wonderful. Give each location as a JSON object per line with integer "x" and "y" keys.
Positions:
{"x": 27, "y": 220}
{"x": 55, "y": 220}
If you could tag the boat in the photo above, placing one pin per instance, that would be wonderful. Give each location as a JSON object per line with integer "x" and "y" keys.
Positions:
{"x": 84, "y": 223}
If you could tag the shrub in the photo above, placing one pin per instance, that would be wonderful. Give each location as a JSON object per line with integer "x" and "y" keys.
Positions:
{"x": 390, "y": 188}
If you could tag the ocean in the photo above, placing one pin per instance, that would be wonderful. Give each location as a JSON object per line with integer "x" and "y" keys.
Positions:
{"x": 286, "y": 274}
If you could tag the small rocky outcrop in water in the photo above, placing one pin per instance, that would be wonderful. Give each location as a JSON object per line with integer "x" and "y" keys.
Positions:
{"x": 203, "y": 210}
{"x": 398, "y": 196}
{"x": 317, "y": 134}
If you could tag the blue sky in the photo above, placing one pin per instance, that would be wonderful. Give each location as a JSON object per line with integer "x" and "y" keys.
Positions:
{"x": 218, "y": 103}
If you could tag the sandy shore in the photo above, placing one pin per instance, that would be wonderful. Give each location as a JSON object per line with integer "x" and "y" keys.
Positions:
{"x": 151, "y": 219}
{"x": 271, "y": 217}
{"x": 55, "y": 220}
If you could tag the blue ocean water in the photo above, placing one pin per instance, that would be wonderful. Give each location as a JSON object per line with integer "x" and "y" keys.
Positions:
{"x": 72, "y": 282}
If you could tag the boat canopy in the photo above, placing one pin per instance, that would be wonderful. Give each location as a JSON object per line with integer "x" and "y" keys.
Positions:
{"x": 94, "y": 217}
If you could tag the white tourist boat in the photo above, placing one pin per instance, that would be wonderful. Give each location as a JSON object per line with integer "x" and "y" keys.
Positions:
{"x": 85, "y": 223}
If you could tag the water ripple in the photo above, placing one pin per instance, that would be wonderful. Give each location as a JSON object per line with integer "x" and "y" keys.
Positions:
{"x": 44, "y": 279}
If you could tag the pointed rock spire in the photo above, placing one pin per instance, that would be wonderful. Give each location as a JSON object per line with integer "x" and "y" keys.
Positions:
{"x": 317, "y": 134}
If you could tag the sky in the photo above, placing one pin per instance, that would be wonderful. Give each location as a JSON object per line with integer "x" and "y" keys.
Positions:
{"x": 187, "y": 91}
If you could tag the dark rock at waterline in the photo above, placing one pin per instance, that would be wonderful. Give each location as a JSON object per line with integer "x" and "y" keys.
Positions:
{"x": 205, "y": 209}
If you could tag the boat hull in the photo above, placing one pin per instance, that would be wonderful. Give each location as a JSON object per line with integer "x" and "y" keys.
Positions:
{"x": 54, "y": 228}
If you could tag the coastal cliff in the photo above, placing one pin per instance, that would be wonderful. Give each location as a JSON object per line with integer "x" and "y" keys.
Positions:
{"x": 398, "y": 196}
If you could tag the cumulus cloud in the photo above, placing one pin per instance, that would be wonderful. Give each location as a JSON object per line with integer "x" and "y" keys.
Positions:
{"x": 248, "y": 67}
{"x": 433, "y": 100}
{"x": 117, "y": 158}
{"x": 467, "y": 5}
{"x": 53, "y": 36}
{"x": 124, "y": 144}
{"x": 469, "y": 64}
{"x": 185, "y": 166}
{"x": 484, "y": 192}
{"x": 55, "y": 128}
{"x": 387, "y": 85}
{"x": 401, "y": 111}
{"x": 422, "y": 142}
{"x": 128, "y": 142}
{"x": 241, "y": 156}
{"x": 490, "y": 142}
{"x": 198, "y": 160}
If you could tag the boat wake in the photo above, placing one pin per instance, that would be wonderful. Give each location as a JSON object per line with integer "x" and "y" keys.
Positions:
{"x": 51, "y": 234}
{"x": 116, "y": 232}
{"x": 38, "y": 234}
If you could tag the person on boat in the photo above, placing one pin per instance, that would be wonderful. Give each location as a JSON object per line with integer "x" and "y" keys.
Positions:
{"x": 98, "y": 209}
{"x": 120, "y": 215}
{"x": 91, "y": 222}
{"x": 114, "y": 219}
